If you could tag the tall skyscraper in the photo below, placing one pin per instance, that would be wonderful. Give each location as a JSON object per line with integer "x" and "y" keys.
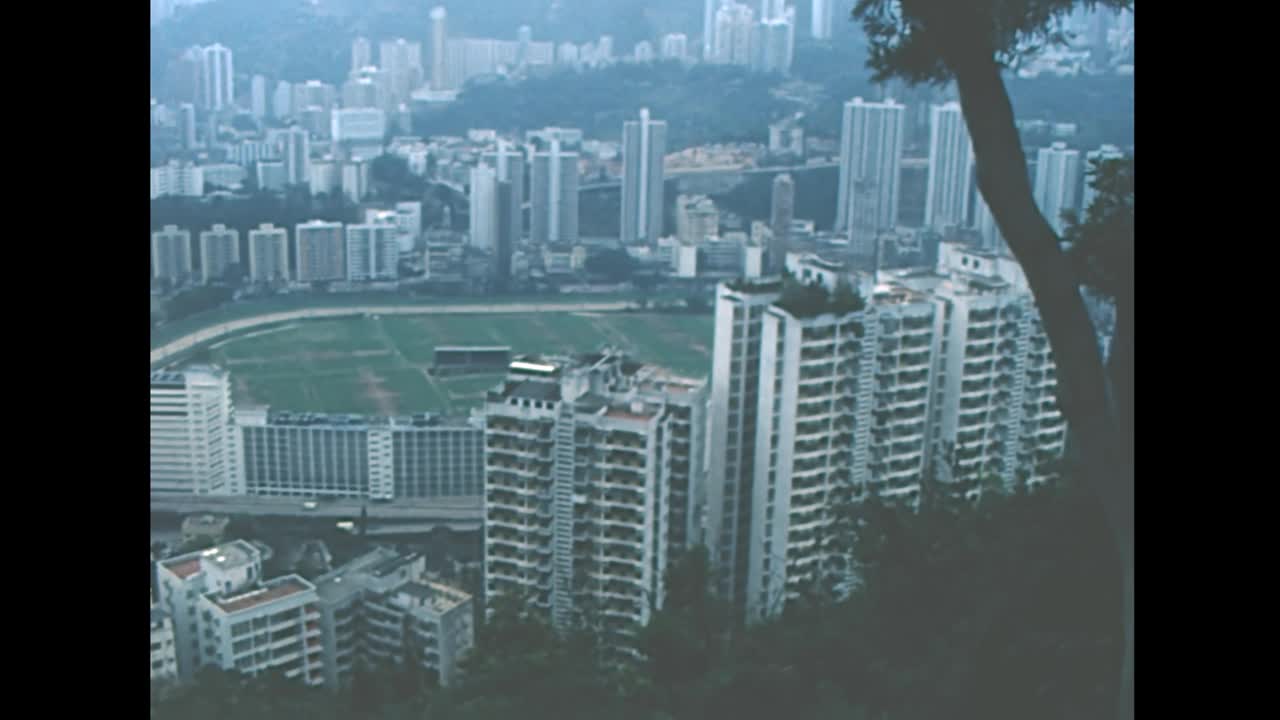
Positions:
{"x": 1106, "y": 152}
{"x": 219, "y": 248}
{"x": 735, "y": 388}
{"x": 193, "y": 448}
{"x": 258, "y": 97}
{"x": 644, "y": 148}
{"x": 950, "y": 180}
{"x": 554, "y": 196}
{"x": 615, "y": 448}
{"x": 820, "y": 21}
{"x": 1057, "y": 182}
{"x": 842, "y": 414}
{"x": 187, "y": 125}
{"x": 734, "y": 29}
{"x": 295, "y": 149}
{"x": 484, "y": 207}
{"x": 508, "y": 162}
{"x": 268, "y": 253}
{"x": 709, "y": 29}
{"x": 320, "y": 251}
{"x": 361, "y": 54}
{"x": 217, "y": 79}
{"x": 782, "y": 212}
{"x": 171, "y": 254}
{"x": 508, "y": 219}
{"x": 870, "y": 157}
{"x": 438, "y": 43}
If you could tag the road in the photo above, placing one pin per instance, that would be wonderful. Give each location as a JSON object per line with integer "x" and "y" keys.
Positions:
{"x": 455, "y": 513}
{"x": 712, "y": 169}
{"x": 167, "y": 351}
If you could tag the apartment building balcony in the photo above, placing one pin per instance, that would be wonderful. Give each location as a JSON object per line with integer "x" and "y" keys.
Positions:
{"x": 983, "y": 331}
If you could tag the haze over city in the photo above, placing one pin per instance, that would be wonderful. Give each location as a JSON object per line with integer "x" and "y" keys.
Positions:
{"x": 641, "y": 359}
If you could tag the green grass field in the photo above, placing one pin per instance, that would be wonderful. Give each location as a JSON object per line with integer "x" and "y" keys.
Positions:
{"x": 368, "y": 365}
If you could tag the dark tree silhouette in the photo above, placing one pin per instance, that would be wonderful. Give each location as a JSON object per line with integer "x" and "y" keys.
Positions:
{"x": 936, "y": 41}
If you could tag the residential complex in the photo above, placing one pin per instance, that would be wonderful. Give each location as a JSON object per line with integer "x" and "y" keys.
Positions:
{"x": 824, "y": 397}
{"x": 382, "y": 608}
{"x": 226, "y": 615}
{"x": 592, "y": 469}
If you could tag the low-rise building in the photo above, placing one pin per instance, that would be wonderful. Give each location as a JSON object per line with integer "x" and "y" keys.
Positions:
{"x": 382, "y": 608}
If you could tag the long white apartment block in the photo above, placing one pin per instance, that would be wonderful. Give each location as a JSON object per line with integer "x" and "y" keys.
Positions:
{"x": 585, "y": 459}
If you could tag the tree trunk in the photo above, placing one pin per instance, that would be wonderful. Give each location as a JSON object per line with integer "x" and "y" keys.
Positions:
{"x": 1084, "y": 391}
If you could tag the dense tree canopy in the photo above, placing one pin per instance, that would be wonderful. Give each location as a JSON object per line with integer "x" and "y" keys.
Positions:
{"x": 1000, "y": 610}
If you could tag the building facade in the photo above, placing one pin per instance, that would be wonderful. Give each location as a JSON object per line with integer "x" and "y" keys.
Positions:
{"x": 192, "y": 439}
{"x": 554, "y": 196}
{"x": 373, "y": 252}
{"x": 1057, "y": 182}
{"x": 219, "y": 249}
{"x": 268, "y": 254}
{"x": 950, "y": 180}
{"x": 164, "y": 658}
{"x": 171, "y": 254}
{"x": 382, "y": 608}
{"x": 320, "y": 251}
{"x": 644, "y": 149}
{"x": 584, "y": 460}
{"x": 870, "y": 166}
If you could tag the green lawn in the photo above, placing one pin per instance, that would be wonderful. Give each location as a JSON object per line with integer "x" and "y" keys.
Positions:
{"x": 367, "y": 365}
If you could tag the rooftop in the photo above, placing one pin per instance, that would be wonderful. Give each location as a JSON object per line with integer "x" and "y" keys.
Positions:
{"x": 631, "y": 413}
{"x": 272, "y": 591}
{"x": 441, "y": 598}
{"x": 226, "y": 556}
